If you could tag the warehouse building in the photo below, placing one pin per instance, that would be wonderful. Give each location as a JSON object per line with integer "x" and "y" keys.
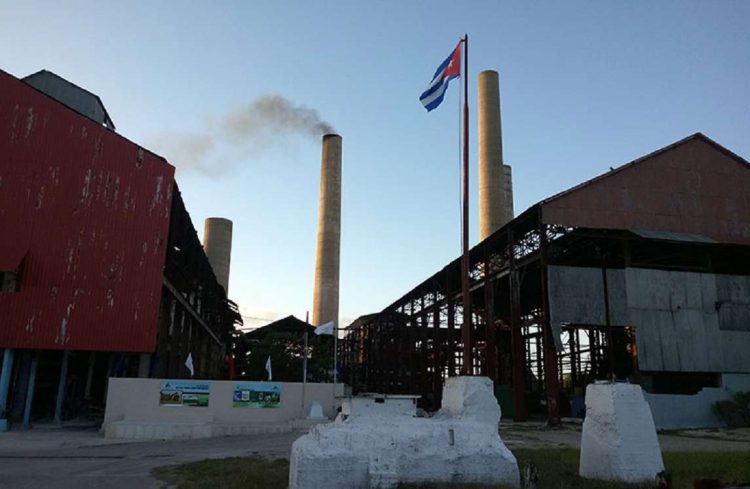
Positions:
{"x": 102, "y": 270}
{"x": 641, "y": 274}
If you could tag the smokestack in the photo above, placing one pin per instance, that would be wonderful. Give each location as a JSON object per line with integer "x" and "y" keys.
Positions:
{"x": 217, "y": 243}
{"x": 495, "y": 184}
{"x": 326, "y": 288}
{"x": 508, "y": 172}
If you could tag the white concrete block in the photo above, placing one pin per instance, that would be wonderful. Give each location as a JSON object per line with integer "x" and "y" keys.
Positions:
{"x": 379, "y": 405}
{"x": 316, "y": 411}
{"x": 618, "y": 440}
{"x": 460, "y": 444}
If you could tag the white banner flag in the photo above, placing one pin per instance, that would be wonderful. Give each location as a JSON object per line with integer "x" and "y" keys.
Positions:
{"x": 268, "y": 368}
{"x": 189, "y": 364}
{"x": 326, "y": 328}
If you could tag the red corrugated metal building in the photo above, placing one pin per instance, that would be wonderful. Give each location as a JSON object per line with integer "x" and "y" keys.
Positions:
{"x": 86, "y": 219}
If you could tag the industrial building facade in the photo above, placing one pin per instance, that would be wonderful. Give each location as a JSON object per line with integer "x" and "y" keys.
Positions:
{"x": 642, "y": 274}
{"x": 102, "y": 271}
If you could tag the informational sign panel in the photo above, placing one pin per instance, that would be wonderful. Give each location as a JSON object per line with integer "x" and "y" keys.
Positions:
{"x": 183, "y": 393}
{"x": 256, "y": 395}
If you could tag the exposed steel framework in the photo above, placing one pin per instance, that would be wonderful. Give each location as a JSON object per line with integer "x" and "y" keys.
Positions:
{"x": 415, "y": 343}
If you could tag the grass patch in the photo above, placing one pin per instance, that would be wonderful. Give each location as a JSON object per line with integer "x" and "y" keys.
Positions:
{"x": 227, "y": 473}
{"x": 557, "y": 468}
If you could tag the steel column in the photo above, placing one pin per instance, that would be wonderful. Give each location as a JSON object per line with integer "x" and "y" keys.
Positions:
{"x": 30, "y": 391}
{"x": 552, "y": 385}
{"x": 61, "y": 386}
{"x": 489, "y": 321}
{"x": 5, "y": 385}
{"x": 518, "y": 356}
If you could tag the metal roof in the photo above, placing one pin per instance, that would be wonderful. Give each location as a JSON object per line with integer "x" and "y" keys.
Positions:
{"x": 693, "y": 137}
{"x": 694, "y": 186}
{"x": 77, "y": 98}
{"x": 289, "y": 324}
{"x": 670, "y": 236}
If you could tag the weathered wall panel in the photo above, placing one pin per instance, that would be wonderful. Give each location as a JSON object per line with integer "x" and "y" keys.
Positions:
{"x": 674, "y": 313}
{"x": 92, "y": 211}
{"x": 690, "y": 187}
{"x": 733, "y": 303}
{"x": 576, "y": 296}
{"x": 679, "y": 331}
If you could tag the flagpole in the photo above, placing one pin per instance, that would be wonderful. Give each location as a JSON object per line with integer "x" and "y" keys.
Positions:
{"x": 467, "y": 367}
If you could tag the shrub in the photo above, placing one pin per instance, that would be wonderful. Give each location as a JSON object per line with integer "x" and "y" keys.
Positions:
{"x": 735, "y": 413}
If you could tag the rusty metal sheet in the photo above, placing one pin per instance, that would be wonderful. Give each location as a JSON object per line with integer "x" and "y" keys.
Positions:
{"x": 92, "y": 211}
{"x": 694, "y": 186}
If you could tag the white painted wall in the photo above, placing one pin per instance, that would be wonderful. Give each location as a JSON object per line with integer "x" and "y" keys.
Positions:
{"x": 131, "y": 399}
{"x": 672, "y": 411}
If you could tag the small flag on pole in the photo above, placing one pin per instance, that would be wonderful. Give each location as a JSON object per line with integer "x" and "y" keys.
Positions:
{"x": 326, "y": 328}
{"x": 268, "y": 368}
{"x": 189, "y": 364}
{"x": 447, "y": 71}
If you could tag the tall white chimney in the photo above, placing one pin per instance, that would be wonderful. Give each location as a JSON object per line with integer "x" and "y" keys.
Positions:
{"x": 217, "y": 243}
{"x": 326, "y": 287}
{"x": 495, "y": 184}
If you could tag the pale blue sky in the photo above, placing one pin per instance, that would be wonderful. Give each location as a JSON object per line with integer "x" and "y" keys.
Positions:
{"x": 584, "y": 86}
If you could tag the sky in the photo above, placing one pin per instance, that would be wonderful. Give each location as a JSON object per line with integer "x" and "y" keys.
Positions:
{"x": 584, "y": 86}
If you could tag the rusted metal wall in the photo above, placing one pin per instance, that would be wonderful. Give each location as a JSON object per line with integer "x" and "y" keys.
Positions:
{"x": 693, "y": 186}
{"x": 90, "y": 211}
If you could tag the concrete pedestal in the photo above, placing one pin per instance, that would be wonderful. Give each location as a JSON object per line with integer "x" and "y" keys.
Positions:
{"x": 379, "y": 448}
{"x": 618, "y": 441}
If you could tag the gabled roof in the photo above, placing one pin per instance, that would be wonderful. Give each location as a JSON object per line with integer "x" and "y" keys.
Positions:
{"x": 289, "y": 324}
{"x": 77, "y": 98}
{"x": 694, "y": 186}
{"x": 696, "y": 136}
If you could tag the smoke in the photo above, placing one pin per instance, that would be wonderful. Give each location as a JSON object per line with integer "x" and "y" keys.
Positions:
{"x": 187, "y": 151}
{"x": 239, "y": 134}
{"x": 274, "y": 116}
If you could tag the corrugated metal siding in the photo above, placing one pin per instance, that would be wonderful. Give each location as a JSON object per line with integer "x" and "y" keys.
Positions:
{"x": 92, "y": 209}
{"x": 692, "y": 187}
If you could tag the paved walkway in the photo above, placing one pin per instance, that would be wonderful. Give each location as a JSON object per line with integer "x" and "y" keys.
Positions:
{"x": 84, "y": 459}
{"x": 76, "y": 458}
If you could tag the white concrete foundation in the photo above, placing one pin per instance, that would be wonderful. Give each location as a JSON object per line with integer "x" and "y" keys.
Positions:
{"x": 381, "y": 444}
{"x": 618, "y": 441}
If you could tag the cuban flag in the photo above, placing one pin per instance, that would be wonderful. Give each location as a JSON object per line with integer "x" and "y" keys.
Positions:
{"x": 447, "y": 71}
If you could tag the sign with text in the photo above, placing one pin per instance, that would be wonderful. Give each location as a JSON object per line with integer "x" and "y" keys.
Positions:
{"x": 256, "y": 395}
{"x": 183, "y": 393}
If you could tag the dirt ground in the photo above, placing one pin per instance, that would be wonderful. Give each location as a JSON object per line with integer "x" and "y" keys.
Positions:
{"x": 538, "y": 435}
